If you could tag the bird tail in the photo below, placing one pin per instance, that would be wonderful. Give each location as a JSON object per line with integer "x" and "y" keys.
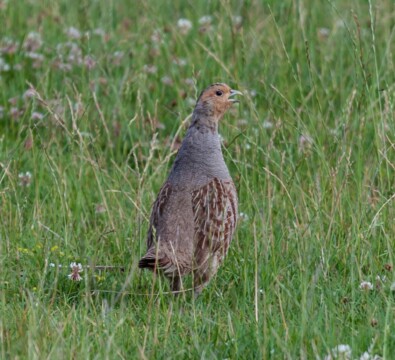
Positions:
{"x": 151, "y": 260}
{"x": 148, "y": 263}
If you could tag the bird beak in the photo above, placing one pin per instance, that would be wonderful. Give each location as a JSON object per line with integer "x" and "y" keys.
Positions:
{"x": 233, "y": 93}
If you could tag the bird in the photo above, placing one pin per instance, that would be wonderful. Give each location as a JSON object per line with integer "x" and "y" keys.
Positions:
{"x": 194, "y": 216}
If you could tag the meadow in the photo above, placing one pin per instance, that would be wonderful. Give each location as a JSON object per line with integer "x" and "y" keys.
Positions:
{"x": 95, "y": 97}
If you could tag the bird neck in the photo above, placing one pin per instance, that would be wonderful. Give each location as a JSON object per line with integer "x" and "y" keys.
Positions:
{"x": 204, "y": 118}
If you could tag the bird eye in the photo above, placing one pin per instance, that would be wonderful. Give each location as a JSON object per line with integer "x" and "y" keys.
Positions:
{"x": 218, "y": 93}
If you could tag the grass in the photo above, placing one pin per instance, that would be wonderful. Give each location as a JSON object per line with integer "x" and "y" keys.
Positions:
{"x": 311, "y": 149}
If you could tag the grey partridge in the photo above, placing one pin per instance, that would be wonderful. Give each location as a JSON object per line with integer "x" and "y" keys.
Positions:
{"x": 194, "y": 216}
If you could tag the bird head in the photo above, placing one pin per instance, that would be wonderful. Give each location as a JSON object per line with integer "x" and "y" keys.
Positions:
{"x": 215, "y": 100}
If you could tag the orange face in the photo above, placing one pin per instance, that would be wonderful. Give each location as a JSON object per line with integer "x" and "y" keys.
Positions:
{"x": 216, "y": 99}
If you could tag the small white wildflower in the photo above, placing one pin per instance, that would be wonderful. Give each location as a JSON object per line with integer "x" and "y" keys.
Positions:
{"x": 100, "y": 209}
{"x": 253, "y": 93}
{"x": 179, "y": 61}
{"x": 15, "y": 113}
{"x": 366, "y": 285}
{"x": 189, "y": 82}
{"x": 25, "y": 179}
{"x": 30, "y": 93}
{"x": 242, "y": 122}
{"x": 35, "y": 56}
{"x": 4, "y": 66}
{"x": 117, "y": 57}
{"x": 13, "y": 100}
{"x": 243, "y": 216}
{"x": 267, "y": 124}
{"x": 76, "y": 269}
{"x": 323, "y": 33}
{"x": 73, "y": 33}
{"x": 190, "y": 101}
{"x": 99, "y": 32}
{"x": 339, "y": 24}
{"x": 341, "y": 351}
{"x": 205, "y": 20}
{"x": 52, "y": 265}
{"x": 33, "y": 41}
{"x": 247, "y": 146}
{"x": 156, "y": 36}
{"x": 89, "y": 62}
{"x": 305, "y": 142}
{"x": 75, "y": 265}
{"x": 150, "y": 69}
{"x": 365, "y": 356}
{"x": 237, "y": 20}
{"x": 392, "y": 287}
{"x": 86, "y": 134}
{"x": 37, "y": 115}
{"x": 184, "y": 25}
{"x": 167, "y": 80}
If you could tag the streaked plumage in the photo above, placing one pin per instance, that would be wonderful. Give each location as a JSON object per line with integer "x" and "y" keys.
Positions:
{"x": 194, "y": 216}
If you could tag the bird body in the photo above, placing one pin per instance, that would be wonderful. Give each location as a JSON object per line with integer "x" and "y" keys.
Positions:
{"x": 194, "y": 216}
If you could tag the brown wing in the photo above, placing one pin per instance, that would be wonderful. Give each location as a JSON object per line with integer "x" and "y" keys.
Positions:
{"x": 215, "y": 216}
{"x": 149, "y": 260}
{"x": 157, "y": 212}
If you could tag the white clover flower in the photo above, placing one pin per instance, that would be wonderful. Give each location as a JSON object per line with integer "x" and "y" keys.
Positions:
{"x": 167, "y": 80}
{"x": 305, "y": 142}
{"x": 100, "y": 209}
{"x": 205, "y": 20}
{"x": 37, "y": 116}
{"x": 252, "y": 92}
{"x": 52, "y": 265}
{"x": 117, "y": 57}
{"x": 189, "y": 82}
{"x": 243, "y": 216}
{"x": 341, "y": 351}
{"x": 323, "y": 33}
{"x": 25, "y": 179}
{"x": 237, "y": 20}
{"x": 190, "y": 101}
{"x": 33, "y": 42}
{"x": 184, "y": 25}
{"x": 4, "y": 66}
{"x": 89, "y": 62}
{"x": 76, "y": 269}
{"x": 30, "y": 93}
{"x": 73, "y": 33}
{"x": 365, "y": 356}
{"x": 156, "y": 36}
{"x": 179, "y": 61}
{"x": 366, "y": 285}
{"x": 267, "y": 124}
{"x": 99, "y": 32}
{"x": 150, "y": 69}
